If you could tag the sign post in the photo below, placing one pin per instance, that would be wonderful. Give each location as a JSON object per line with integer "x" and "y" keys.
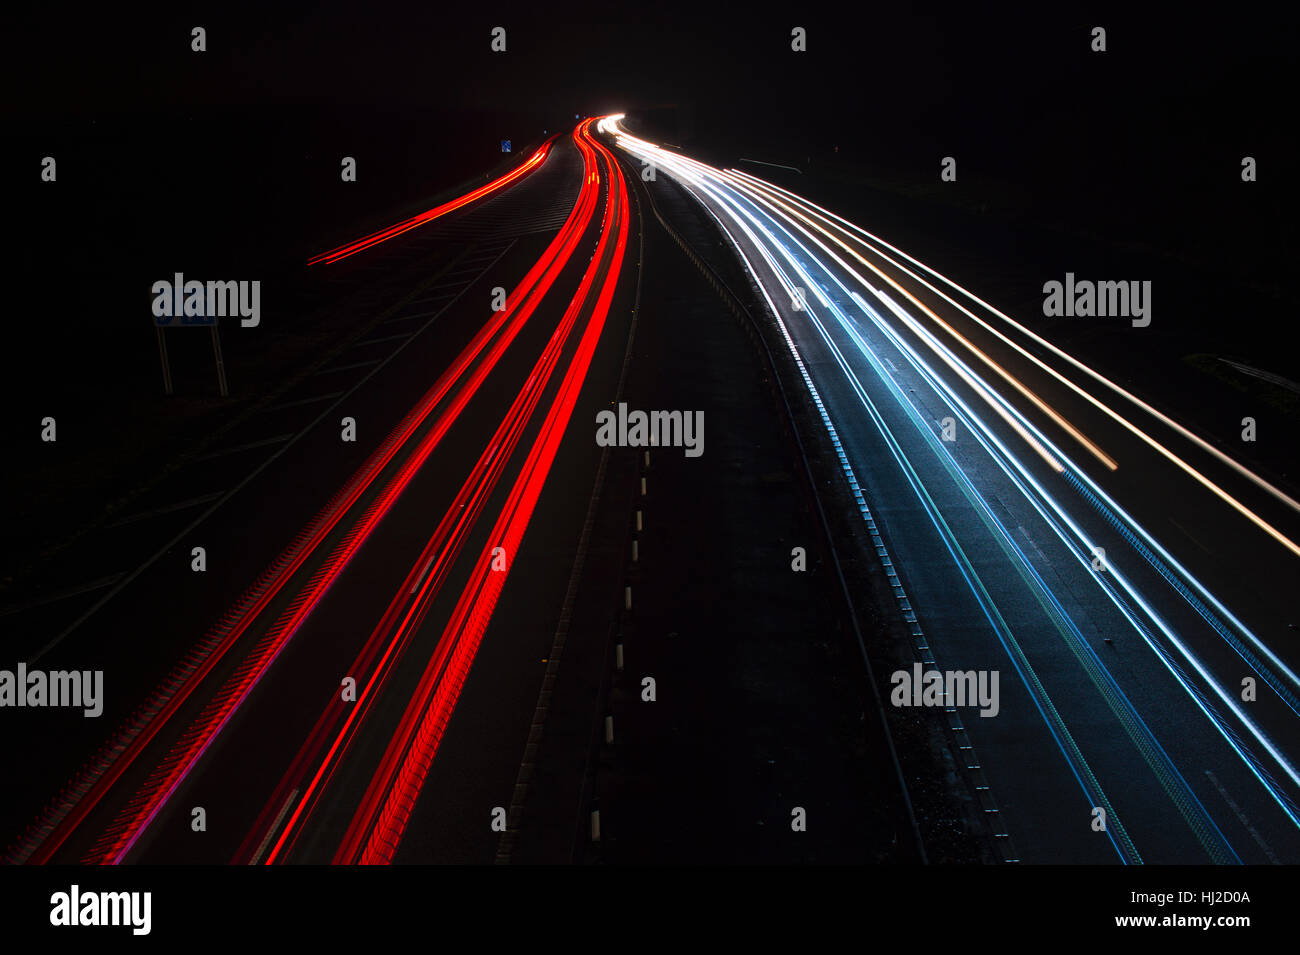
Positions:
{"x": 221, "y": 368}
{"x": 164, "y": 321}
{"x": 166, "y": 367}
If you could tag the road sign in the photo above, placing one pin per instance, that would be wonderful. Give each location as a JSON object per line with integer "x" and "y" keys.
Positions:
{"x": 169, "y": 321}
{"x": 505, "y": 145}
{"x": 183, "y": 321}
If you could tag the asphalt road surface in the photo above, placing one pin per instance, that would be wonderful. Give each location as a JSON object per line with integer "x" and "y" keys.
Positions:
{"x": 991, "y": 466}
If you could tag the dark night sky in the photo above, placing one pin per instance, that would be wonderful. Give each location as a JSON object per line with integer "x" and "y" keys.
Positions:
{"x": 862, "y": 61}
{"x": 1009, "y": 90}
{"x": 1013, "y": 92}
{"x": 235, "y": 151}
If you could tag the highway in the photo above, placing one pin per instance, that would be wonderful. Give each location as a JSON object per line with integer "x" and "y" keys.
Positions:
{"x": 400, "y": 538}
{"x": 303, "y": 722}
{"x": 1123, "y": 574}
